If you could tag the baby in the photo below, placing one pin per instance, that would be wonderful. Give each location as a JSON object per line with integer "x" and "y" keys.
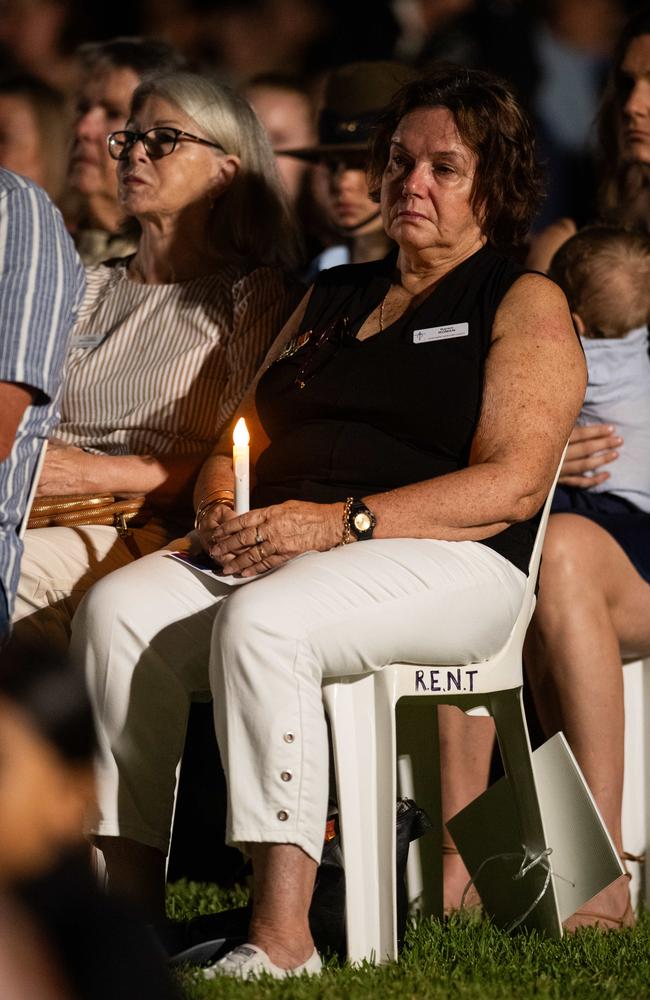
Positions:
{"x": 605, "y": 275}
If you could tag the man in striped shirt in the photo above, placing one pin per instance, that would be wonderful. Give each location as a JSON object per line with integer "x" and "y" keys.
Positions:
{"x": 41, "y": 286}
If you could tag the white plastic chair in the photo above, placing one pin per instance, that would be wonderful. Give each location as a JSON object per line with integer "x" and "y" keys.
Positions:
{"x": 361, "y": 711}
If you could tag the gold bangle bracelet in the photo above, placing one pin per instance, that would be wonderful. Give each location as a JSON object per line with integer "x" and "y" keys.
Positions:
{"x": 208, "y": 501}
{"x": 205, "y": 507}
{"x": 220, "y": 496}
{"x": 216, "y": 494}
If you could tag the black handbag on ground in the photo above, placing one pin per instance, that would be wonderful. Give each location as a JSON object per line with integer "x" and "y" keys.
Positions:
{"x": 327, "y": 913}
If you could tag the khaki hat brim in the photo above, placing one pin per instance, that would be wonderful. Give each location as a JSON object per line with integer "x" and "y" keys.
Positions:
{"x": 315, "y": 153}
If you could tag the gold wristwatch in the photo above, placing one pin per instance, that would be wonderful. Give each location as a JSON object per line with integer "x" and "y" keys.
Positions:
{"x": 360, "y": 520}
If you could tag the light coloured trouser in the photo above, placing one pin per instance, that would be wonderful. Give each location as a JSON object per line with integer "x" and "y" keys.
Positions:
{"x": 59, "y": 565}
{"x": 157, "y": 633}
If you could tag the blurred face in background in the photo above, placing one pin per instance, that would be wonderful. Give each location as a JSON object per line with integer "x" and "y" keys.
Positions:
{"x": 341, "y": 189}
{"x": 102, "y": 107}
{"x": 20, "y": 141}
{"x": 635, "y": 76}
{"x": 288, "y": 119}
{"x": 31, "y": 30}
{"x": 43, "y": 799}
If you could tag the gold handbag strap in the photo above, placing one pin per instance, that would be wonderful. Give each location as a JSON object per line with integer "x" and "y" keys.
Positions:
{"x": 104, "y": 509}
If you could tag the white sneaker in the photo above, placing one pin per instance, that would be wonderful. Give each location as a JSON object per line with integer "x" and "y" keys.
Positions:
{"x": 248, "y": 961}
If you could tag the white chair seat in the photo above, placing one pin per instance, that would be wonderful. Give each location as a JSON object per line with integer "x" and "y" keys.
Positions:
{"x": 362, "y": 716}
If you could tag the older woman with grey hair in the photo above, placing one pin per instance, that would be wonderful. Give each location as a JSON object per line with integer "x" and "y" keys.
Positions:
{"x": 167, "y": 340}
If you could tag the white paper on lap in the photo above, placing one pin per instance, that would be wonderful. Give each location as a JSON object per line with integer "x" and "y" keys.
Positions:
{"x": 198, "y": 564}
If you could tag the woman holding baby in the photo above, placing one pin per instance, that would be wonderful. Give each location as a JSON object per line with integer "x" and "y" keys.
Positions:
{"x": 594, "y": 600}
{"x": 593, "y": 608}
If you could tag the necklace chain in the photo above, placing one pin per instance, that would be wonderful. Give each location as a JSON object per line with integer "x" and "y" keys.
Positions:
{"x": 381, "y": 313}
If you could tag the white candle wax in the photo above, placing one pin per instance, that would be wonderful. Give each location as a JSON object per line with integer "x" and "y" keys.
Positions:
{"x": 241, "y": 466}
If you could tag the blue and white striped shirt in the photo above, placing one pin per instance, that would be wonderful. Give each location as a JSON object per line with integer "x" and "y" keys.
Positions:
{"x": 41, "y": 287}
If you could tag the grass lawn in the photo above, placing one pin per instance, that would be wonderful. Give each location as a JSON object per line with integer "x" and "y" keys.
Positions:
{"x": 464, "y": 958}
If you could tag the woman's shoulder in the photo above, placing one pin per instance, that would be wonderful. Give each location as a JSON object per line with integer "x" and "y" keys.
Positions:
{"x": 107, "y": 270}
{"x": 240, "y": 276}
{"x": 100, "y": 278}
{"x": 345, "y": 275}
{"x": 492, "y": 278}
{"x": 533, "y": 288}
{"x": 535, "y": 309}
{"x": 340, "y": 286}
{"x": 266, "y": 283}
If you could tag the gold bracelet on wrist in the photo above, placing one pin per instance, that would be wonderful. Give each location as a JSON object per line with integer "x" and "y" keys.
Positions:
{"x": 216, "y": 494}
{"x": 211, "y": 501}
{"x": 347, "y": 534}
{"x": 227, "y": 495}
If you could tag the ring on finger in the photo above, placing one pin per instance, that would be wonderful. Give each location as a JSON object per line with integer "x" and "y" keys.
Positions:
{"x": 258, "y": 538}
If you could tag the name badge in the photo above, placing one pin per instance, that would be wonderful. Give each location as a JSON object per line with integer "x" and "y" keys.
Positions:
{"x": 440, "y": 333}
{"x": 88, "y": 340}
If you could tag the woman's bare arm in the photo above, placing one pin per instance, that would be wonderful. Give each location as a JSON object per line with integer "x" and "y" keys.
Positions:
{"x": 165, "y": 479}
{"x": 535, "y": 377}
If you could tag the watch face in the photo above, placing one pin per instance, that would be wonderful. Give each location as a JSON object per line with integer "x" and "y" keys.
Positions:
{"x": 362, "y": 521}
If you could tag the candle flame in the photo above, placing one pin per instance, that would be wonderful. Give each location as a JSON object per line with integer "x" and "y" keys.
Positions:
{"x": 240, "y": 435}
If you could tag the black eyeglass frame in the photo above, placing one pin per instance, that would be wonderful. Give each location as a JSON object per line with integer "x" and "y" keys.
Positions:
{"x": 135, "y": 137}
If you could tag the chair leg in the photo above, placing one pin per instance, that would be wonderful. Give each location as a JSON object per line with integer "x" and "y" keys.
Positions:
{"x": 646, "y": 712}
{"x": 418, "y": 756}
{"x": 362, "y": 723}
{"x": 507, "y": 710}
{"x": 635, "y": 807}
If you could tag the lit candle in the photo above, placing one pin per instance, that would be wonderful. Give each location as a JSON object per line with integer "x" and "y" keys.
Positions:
{"x": 240, "y": 464}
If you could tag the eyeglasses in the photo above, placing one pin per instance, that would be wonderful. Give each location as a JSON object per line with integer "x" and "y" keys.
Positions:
{"x": 157, "y": 142}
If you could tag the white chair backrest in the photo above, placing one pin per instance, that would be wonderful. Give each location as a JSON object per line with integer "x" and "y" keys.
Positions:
{"x": 536, "y": 554}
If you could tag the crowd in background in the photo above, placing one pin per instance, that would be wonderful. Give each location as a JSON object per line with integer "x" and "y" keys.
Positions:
{"x": 555, "y": 53}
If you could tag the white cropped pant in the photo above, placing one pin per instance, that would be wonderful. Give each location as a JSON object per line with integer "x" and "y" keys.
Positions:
{"x": 157, "y": 634}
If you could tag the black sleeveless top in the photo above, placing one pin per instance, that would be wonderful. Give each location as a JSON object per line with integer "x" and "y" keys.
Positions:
{"x": 349, "y": 417}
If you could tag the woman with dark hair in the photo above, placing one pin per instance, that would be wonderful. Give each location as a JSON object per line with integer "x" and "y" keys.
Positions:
{"x": 624, "y": 130}
{"x": 623, "y": 154}
{"x": 398, "y": 468}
